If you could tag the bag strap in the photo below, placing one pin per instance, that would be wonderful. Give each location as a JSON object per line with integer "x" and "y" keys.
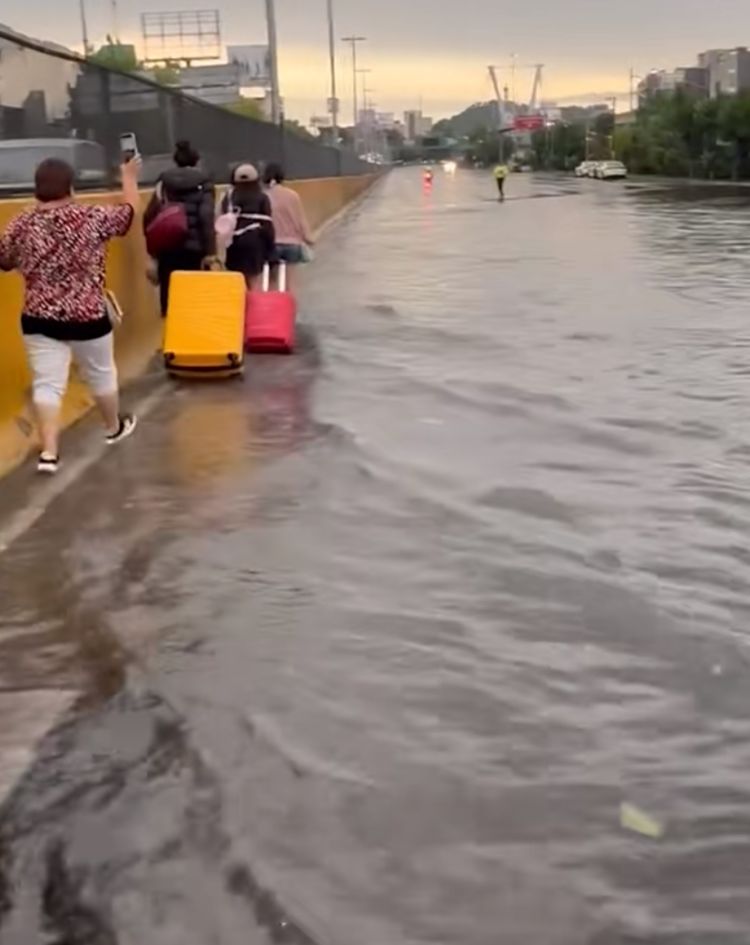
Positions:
{"x": 261, "y": 217}
{"x": 227, "y": 201}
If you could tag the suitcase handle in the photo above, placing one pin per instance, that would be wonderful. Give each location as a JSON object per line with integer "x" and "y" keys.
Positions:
{"x": 267, "y": 277}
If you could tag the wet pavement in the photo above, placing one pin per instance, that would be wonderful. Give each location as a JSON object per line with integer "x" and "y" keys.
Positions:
{"x": 370, "y": 648}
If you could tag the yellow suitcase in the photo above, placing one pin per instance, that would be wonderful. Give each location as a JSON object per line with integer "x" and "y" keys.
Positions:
{"x": 205, "y": 329}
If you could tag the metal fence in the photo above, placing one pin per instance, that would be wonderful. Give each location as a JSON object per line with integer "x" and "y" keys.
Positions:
{"x": 53, "y": 103}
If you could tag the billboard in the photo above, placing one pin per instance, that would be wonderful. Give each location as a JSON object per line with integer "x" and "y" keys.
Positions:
{"x": 253, "y": 63}
{"x": 219, "y": 85}
{"x": 528, "y": 122}
{"x": 181, "y": 35}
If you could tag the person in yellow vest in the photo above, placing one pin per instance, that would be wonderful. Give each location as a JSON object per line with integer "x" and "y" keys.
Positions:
{"x": 501, "y": 172}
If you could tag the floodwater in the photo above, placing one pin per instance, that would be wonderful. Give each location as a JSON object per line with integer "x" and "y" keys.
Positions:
{"x": 371, "y": 648}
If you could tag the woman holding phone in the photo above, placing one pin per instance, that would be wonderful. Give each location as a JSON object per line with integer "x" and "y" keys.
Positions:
{"x": 59, "y": 247}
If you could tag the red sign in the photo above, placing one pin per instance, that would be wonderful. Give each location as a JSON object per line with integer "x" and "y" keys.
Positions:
{"x": 528, "y": 123}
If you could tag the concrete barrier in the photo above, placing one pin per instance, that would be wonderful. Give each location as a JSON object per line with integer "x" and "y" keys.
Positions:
{"x": 140, "y": 335}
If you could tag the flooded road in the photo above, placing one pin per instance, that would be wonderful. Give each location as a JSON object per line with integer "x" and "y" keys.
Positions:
{"x": 371, "y": 648}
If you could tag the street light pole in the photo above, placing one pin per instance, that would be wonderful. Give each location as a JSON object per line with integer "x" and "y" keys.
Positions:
{"x": 84, "y": 28}
{"x": 273, "y": 61}
{"x": 334, "y": 105}
{"x": 354, "y": 40}
{"x": 364, "y": 73}
{"x": 369, "y": 125}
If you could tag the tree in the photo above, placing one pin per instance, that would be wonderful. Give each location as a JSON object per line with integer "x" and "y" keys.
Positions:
{"x": 681, "y": 134}
{"x": 734, "y": 128}
{"x": 484, "y": 146}
{"x": 116, "y": 55}
{"x": 248, "y": 108}
{"x": 560, "y": 147}
{"x": 291, "y": 124}
{"x": 167, "y": 75}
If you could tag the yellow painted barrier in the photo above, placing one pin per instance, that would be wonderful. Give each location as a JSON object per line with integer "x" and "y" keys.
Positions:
{"x": 139, "y": 337}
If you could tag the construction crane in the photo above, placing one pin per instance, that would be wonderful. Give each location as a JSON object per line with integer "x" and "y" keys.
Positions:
{"x": 536, "y": 89}
{"x": 499, "y": 98}
{"x": 521, "y": 133}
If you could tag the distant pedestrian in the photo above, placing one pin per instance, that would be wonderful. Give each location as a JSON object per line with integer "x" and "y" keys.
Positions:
{"x": 188, "y": 186}
{"x": 251, "y": 230}
{"x": 294, "y": 237}
{"x": 501, "y": 174}
{"x": 59, "y": 248}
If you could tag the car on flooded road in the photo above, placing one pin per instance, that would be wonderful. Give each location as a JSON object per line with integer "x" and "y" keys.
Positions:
{"x": 611, "y": 170}
{"x": 585, "y": 169}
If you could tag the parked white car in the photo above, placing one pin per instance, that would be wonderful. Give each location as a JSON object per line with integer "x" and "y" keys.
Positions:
{"x": 611, "y": 170}
{"x": 585, "y": 169}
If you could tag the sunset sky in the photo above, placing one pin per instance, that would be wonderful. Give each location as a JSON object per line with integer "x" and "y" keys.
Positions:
{"x": 425, "y": 50}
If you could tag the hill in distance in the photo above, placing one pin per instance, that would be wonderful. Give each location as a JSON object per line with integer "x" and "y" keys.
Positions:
{"x": 476, "y": 117}
{"x": 483, "y": 115}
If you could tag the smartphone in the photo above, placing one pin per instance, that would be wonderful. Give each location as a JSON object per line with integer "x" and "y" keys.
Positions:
{"x": 128, "y": 146}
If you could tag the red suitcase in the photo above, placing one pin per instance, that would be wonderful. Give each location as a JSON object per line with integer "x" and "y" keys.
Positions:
{"x": 270, "y": 317}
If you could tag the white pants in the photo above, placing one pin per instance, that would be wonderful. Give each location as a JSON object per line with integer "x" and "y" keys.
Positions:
{"x": 50, "y": 366}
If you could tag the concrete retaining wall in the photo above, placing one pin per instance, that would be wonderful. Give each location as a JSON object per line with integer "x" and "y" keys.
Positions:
{"x": 140, "y": 336}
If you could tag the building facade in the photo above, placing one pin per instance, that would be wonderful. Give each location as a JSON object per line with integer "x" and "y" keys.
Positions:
{"x": 416, "y": 125}
{"x": 727, "y": 70}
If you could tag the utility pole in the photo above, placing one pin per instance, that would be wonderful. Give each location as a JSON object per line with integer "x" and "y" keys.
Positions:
{"x": 353, "y": 40}
{"x": 369, "y": 118}
{"x": 84, "y": 29}
{"x": 273, "y": 61}
{"x": 613, "y": 100}
{"x": 334, "y": 103}
{"x": 115, "y": 22}
{"x": 632, "y": 89}
{"x": 364, "y": 73}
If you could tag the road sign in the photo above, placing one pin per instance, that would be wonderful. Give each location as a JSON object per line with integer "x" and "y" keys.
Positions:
{"x": 528, "y": 122}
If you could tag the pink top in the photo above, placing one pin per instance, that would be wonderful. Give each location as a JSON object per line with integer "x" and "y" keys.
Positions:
{"x": 289, "y": 218}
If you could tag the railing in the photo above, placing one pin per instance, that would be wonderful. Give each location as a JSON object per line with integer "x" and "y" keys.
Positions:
{"x": 54, "y": 103}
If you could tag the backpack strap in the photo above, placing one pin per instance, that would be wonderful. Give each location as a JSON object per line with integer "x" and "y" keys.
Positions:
{"x": 227, "y": 200}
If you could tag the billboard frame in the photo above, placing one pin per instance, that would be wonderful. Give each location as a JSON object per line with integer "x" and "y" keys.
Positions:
{"x": 181, "y": 36}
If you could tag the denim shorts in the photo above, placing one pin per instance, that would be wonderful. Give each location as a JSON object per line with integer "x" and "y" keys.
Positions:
{"x": 290, "y": 253}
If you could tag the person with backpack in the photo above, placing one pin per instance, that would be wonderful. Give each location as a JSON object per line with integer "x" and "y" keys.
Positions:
{"x": 179, "y": 220}
{"x": 244, "y": 225}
